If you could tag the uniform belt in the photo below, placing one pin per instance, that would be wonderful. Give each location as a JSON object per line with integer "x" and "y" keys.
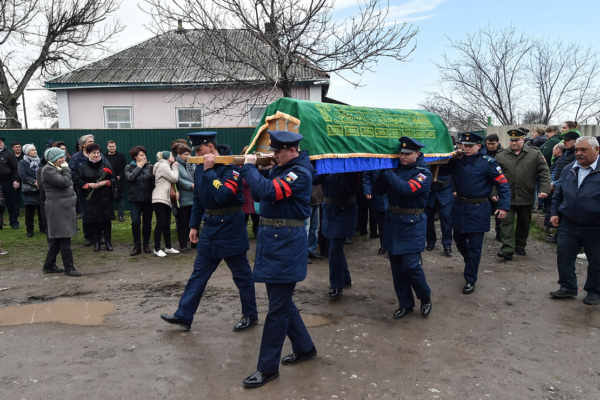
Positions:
{"x": 408, "y": 211}
{"x": 339, "y": 201}
{"x": 223, "y": 211}
{"x": 280, "y": 223}
{"x": 472, "y": 201}
{"x": 442, "y": 183}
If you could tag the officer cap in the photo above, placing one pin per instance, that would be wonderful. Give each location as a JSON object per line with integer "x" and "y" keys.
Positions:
{"x": 408, "y": 145}
{"x": 571, "y": 135}
{"x": 50, "y": 142}
{"x": 284, "y": 140}
{"x": 516, "y": 134}
{"x": 470, "y": 138}
{"x": 199, "y": 138}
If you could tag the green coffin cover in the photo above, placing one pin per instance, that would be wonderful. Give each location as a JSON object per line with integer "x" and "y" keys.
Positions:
{"x": 358, "y": 135}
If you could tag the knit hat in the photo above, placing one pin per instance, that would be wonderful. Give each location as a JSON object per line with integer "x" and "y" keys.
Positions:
{"x": 27, "y": 148}
{"x": 163, "y": 155}
{"x": 53, "y": 154}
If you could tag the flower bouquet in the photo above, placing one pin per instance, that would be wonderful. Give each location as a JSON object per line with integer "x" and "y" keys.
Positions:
{"x": 105, "y": 171}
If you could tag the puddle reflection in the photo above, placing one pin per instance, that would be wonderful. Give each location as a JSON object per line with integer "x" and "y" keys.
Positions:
{"x": 89, "y": 313}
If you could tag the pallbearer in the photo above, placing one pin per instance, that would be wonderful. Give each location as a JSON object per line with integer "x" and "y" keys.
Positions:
{"x": 339, "y": 222}
{"x": 475, "y": 174}
{"x": 281, "y": 250}
{"x": 218, "y": 194}
{"x": 405, "y": 225}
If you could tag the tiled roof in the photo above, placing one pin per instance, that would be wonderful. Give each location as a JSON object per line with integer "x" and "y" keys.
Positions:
{"x": 176, "y": 58}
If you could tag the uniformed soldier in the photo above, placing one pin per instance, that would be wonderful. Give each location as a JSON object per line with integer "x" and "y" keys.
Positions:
{"x": 475, "y": 174}
{"x": 218, "y": 196}
{"x": 440, "y": 200}
{"x": 281, "y": 251}
{"x": 339, "y": 218}
{"x": 405, "y": 225}
{"x": 522, "y": 166}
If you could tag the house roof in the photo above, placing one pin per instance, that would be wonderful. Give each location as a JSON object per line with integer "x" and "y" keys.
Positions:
{"x": 176, "y": 59}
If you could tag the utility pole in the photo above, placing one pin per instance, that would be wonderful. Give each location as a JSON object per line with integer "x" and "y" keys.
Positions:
{"x": 24, "y": 110}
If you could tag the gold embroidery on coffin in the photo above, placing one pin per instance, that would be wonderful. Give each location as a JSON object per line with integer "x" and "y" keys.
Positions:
{"x": 351, "y": 121}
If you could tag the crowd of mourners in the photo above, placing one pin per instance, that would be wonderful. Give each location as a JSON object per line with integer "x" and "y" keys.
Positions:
{"x": 553, "y": 172}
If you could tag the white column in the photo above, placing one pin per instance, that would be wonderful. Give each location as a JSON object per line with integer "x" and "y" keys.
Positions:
{"x": 62, "y": 100}
{"x": 315, "y": 93}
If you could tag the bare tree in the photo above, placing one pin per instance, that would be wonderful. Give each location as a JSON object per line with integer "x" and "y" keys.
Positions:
{"x": 533, "y": 117}
{"x": 487, "y": 75}
{"x": 456, "y": 119}
{"x": 564, "y": 78}
{"x": 257, "y": 49}
{"x": 40, "y": 38}
{"x": 47, "y": 107}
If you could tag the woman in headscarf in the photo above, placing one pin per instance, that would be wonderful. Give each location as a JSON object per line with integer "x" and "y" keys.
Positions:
{"x": 28, "y": 167}
{"x": 60, "y": 207}
{"x": 166, "y": 173}
{"x": 185, "y": 187}
{"x": 94, "y": 180}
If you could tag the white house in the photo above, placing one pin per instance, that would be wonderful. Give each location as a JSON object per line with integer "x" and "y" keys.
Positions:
{"x": 153, "y": 85}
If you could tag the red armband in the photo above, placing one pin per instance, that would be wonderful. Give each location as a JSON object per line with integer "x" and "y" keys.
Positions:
{"x": 282, "y": 189}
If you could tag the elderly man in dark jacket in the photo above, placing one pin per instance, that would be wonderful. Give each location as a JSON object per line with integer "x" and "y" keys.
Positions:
{"x": 576, "y": 206}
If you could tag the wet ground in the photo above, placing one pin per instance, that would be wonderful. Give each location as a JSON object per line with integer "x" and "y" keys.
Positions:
{"x": 508, "y": 340}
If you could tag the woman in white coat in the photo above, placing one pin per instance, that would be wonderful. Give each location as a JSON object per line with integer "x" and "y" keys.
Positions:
{"x": 166, "y": 173}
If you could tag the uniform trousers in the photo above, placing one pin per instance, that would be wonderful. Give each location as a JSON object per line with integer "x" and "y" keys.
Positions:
{"x": 62, "y": 246}
{"x": 512, "y": 237}
{"x": 408, "y": 275}
{"x": 379, "y": 216}
{"x": 571, "y": 239}
{"x": 283, "y": 319}
{"x": 445, "y": 213}
{"x": 469, "y": 245}
{"x": 203, "y": 270}
{"x": 338, "y": 266}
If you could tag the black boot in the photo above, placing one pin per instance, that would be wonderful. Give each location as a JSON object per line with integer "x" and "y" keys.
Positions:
{"x": 107, "y": 241}
{"x": 96, "y": 245}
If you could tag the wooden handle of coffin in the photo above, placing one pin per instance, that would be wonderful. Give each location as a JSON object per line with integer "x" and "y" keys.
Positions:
{"x": 235, "y": 160}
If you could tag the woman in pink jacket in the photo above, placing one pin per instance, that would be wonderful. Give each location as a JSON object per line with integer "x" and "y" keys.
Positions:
{"x": 166, "y": 173}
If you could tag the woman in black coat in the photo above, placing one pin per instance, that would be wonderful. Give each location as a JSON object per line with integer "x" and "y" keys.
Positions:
{"x": 95, "y": 179}
{"x": 28, "y": 167}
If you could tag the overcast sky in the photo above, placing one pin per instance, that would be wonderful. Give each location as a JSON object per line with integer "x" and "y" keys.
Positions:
{"x": 403, "y": 85}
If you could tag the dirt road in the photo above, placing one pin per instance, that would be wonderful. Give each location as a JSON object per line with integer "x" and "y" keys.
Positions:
{"x": 508, "y": 340}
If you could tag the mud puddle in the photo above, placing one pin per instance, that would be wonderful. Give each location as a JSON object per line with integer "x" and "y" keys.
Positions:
{"x": 311, "y": 320}
{"x": 594, "y": 319}
{"x": 88, "y": 313}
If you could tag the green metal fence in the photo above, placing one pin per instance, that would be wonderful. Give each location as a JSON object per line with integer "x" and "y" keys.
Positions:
{"x": 154, "y": 140}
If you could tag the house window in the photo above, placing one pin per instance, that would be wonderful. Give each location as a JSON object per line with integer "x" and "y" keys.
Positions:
{"x": 189, "y": 117}
{"x": 117, "y": 117}
{"x": 256, "y": 113}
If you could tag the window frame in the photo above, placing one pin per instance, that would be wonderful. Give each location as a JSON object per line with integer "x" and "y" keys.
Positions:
{"x": 106, "y": 122}
{"x": 250, "y": 107}
{"x": 177, "y": 122}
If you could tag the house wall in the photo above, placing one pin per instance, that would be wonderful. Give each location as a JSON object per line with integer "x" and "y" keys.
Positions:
{"x": 152, "y": 108}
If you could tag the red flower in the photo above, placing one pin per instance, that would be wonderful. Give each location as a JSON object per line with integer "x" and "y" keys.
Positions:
{"x": 108, "y": 171}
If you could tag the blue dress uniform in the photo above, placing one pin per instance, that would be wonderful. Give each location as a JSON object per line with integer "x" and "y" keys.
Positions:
{"x": 440, "y": 199}
{"x": 379, "y": 203}
{"x": 281, "y": 252}
{"x": 474, "y": 177}
{"x": 405, "y": 225}
{"x": 339, "y": 221}
{"x": 218, "y": 196}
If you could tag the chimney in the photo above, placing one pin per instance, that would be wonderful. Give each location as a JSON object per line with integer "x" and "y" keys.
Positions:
{"x": 179, "y": 25}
